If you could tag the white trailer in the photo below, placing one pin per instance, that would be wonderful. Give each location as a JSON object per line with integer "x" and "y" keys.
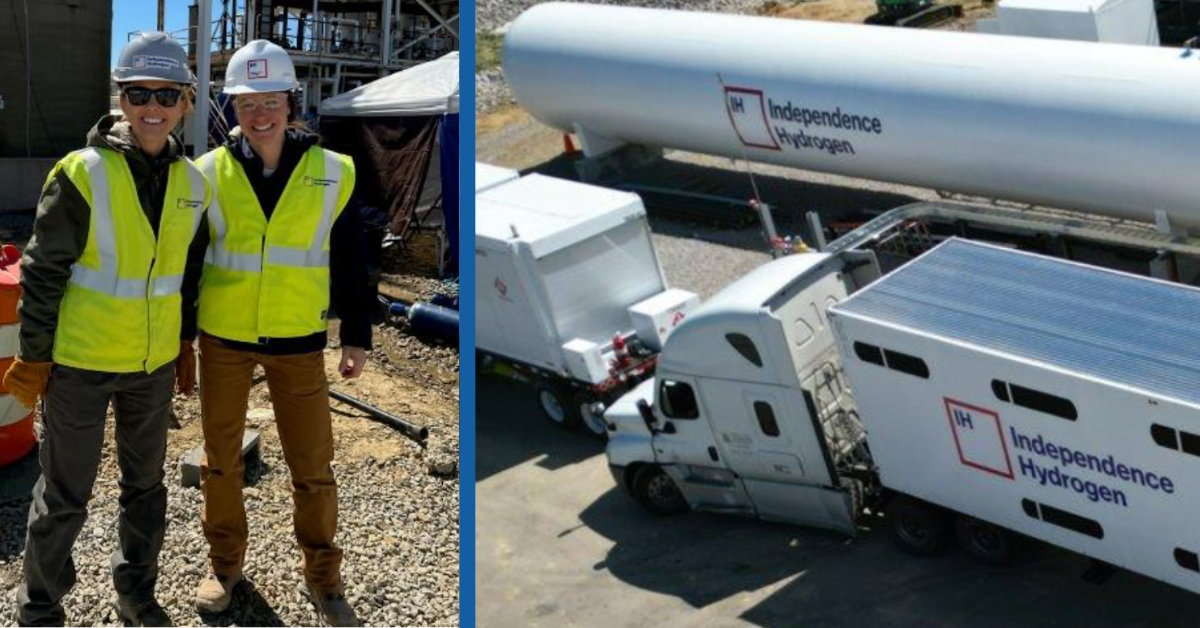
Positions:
{"x": 980, "y": 392}
{"x": 569, "y": 291}
{"x": 1109, "y": 21}
{"x": 1079, "y": 125}
{"x": 488, "y": 176}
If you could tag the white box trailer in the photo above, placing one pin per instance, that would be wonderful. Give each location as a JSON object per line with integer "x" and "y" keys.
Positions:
{"x": 1110, "y": 21}
{"x": 558, "y": 266}
{"x": 997, "y": 394}
{"x": 488, "y": 176}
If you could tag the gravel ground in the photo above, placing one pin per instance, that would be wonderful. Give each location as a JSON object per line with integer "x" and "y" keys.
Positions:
{"x": 398, "y": 521}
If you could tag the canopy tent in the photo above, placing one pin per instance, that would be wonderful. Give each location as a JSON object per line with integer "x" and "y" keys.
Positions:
{"x": 391, "y": 128}
{"x": 427, "y": 89}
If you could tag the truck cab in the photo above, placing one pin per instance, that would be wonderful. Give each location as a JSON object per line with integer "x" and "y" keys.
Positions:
{"x": 749, "y": 412}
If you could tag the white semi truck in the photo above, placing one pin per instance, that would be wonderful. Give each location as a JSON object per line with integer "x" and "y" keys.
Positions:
{"x": 569, "y": 292}
{"x": 977, "y": 391}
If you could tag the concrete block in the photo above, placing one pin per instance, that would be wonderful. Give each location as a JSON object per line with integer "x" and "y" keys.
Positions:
{"x": 189, "y": 465}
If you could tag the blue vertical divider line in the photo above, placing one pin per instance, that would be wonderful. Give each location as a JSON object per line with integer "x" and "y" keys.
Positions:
{"x": 466, "y": 337}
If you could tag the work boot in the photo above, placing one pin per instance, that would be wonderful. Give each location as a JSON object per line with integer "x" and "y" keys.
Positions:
{"x": 216, "y": 592}
{"x": 142, "y": 613}
{"x": 332, "y": 607}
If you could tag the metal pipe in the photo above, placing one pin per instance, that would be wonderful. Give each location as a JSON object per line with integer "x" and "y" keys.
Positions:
{"x": 385, "y": 44}
{"x": 416, "y": 432}
{"x": 203, "y": 76}
{"x": 426, "y": 318}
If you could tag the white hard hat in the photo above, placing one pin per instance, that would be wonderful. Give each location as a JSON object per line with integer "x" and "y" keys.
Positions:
{"x": 260, "y": 66}
{"x": 152, "y": 57}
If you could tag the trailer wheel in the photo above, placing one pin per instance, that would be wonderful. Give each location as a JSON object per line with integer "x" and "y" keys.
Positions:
{"x": 987, "y": 543}
{"x": 657, "y": 492}
{"x": 558, "y": 405}
{"x": 593, "y": 422}
{"x": 921, "y": 529}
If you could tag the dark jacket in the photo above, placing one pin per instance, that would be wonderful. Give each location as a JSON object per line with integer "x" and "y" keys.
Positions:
{"x": 60, "y": 232}
{"x": 351, "y": 293}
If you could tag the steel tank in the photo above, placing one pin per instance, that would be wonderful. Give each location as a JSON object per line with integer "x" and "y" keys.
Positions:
{"x": 1106, "y": 128}
{"x": 54, "y": 74}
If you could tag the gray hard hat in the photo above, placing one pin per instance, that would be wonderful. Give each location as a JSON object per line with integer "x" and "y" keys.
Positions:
{"x": 153, "y": 57}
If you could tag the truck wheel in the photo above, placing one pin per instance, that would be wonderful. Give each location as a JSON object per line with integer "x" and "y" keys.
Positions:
{"x": 594, "y": 423}
{"x": 987, "y": 543}
{"x": 657, "y": 492}
{"x": 921, "y": 529}
{"x": 558, "y": 405}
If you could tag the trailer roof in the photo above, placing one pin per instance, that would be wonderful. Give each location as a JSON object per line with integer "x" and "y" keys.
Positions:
{"x": 550, "y": 214}
{"x": 488, "y": 176}
{"x": 1120, "y": 328}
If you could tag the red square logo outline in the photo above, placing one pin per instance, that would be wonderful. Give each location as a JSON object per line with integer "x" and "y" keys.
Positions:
{"x": 253, "y": 72}
{"x": 762, "y": 103}
{"x": 999, "y": 432}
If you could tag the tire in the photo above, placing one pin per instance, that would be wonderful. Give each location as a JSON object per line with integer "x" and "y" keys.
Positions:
{"x": 987, "y": 543}
{"x": 593, "y": 424}
{"x": 657, "y": 492}
{"x": 919, "y": 528}
{"x": 557, "y": 405}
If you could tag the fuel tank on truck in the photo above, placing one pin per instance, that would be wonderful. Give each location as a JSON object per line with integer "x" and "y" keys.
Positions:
{"x": 1106, "y": 128}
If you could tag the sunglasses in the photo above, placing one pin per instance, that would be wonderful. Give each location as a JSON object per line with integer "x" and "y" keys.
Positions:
{"x": 139, "y": 96}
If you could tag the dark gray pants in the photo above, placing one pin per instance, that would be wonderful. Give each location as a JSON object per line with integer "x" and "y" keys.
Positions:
{"x": 73, "y": 421}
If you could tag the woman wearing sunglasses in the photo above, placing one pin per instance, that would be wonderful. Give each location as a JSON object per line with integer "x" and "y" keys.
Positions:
{"x": 278, "y": 244}
{"x": 101, "y": 319}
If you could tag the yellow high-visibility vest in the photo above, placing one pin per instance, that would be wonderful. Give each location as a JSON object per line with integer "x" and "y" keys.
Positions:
{"x": 121, "y": 312}
{"x": 270, "y": 279}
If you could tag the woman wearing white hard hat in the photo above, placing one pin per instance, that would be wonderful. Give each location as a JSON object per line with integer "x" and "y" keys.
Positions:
{"x": 276, "y": 249}
{"x": 103, "y": 280}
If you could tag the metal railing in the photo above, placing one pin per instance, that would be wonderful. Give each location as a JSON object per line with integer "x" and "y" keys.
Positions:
{"x": 335, "y": 37}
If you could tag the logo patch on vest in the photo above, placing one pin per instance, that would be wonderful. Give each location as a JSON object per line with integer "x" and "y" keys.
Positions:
{"x": 184, "y": 203}
{"x": 315, "y": 182}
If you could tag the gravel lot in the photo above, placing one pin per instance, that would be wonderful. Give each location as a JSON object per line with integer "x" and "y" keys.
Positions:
{"x": 398, "y": 502}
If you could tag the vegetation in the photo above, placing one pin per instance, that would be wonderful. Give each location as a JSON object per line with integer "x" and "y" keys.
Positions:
{"x": 487, "y": 51}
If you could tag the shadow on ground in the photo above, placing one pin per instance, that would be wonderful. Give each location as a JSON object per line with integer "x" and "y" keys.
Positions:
{"x": 726, "y": 224}
{"x": 824, "y": 580}
{"x": 509, "y": 420}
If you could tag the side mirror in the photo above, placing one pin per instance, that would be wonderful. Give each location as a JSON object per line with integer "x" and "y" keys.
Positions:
{"x": 643, "y": 407}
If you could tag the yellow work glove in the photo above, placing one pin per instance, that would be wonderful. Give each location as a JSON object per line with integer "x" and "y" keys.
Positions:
{"x": 185, "y": 368}
{"x": 27, "y": 380}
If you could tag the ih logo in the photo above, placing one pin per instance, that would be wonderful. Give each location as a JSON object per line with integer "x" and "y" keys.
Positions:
{"x": 979, "y": 438}
{"x": 747, "y": 109}
{"x": 256, "y": 69}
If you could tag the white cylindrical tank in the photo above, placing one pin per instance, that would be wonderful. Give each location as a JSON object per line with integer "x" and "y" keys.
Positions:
{"x": 1106, "y": 128}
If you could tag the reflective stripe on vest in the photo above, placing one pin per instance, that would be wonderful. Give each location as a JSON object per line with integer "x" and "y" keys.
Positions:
{"x": 121, "y": 312}
{"x": 280, "y": 265}
{"x": 106, "y": 279}
{"x": 315, "y": 256}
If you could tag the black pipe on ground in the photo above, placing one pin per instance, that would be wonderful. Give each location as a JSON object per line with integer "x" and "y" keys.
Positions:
{"x": 416, "y": 432}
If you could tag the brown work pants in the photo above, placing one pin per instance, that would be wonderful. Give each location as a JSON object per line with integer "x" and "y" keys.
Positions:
{"x": 300, "y": 396}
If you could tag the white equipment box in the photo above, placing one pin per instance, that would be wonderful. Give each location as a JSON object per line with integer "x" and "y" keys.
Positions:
{"x": 655, "y": 318}
{"x": 1051, "y": 398}
{"x": 1109, "y": 21}
{"x": 488, "y": 176}
{"x": 557, "y": 261}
